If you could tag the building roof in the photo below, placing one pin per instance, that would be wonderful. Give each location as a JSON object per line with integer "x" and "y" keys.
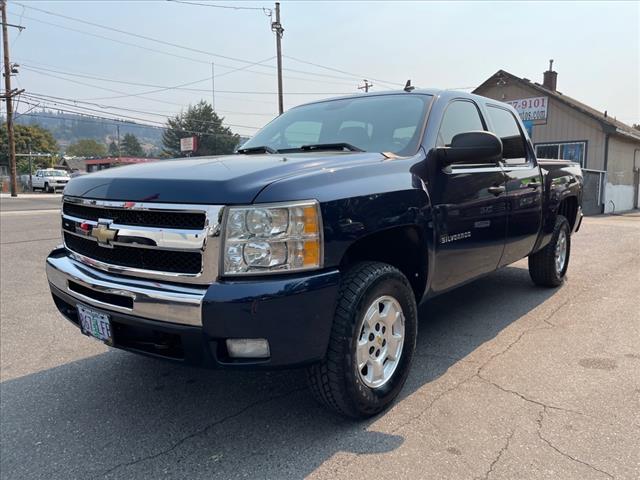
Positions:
{"x": 124, "y": 160}
{"x": 611, "y": 124}
{"x": 74, "y": 163}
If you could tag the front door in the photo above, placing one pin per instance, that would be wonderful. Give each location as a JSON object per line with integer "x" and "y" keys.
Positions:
{"x": 469, "y": 207}
{"x": 524, "y": 185}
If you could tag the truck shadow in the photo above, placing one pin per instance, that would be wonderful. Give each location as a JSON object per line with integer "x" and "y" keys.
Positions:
{"x": 118, "y": 415}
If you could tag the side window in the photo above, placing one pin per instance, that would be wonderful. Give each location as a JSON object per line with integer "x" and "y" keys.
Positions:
{"x": 460, "y": 116}
{"x": 514, "y": 145}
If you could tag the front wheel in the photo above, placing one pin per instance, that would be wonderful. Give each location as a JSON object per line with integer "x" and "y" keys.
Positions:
{"x": 372, "y": 342}
{"x": 548, "y": 267}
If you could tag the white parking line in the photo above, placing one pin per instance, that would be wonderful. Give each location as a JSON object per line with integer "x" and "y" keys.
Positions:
{"x": 16, "y": 213}
{"x": 40, "y": 196}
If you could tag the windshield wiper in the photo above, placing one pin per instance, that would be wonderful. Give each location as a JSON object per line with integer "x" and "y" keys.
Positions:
{"x": 260, "y": 149}
{"x": 330, "y": 146}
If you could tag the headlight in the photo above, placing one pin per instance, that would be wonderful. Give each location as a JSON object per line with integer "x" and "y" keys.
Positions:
{"x": 272, "y": 238}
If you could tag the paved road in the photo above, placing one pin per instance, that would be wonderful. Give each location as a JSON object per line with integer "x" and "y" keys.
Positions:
{"x": 30, "y": 201}
{"x": 510, "y": 381}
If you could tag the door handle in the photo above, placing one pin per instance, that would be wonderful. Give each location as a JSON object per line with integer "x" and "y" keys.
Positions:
{"x": 497, "y": 190}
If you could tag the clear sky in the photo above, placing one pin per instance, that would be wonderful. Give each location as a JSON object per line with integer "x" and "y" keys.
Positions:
{"x": 595, "y": 45}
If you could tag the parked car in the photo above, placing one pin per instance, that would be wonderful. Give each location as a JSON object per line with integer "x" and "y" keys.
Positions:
{"x": 49, "y": 180}
{"x": 314, "y": 244}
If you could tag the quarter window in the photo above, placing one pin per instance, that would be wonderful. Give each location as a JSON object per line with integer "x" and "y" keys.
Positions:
{"x": 505, "y": 125}
{"x": 460, "y": 117}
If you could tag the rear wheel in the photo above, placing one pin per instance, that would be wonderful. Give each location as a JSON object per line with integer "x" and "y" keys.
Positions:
{"x": 372, "y": 342}
{"x": 548, "y": 267}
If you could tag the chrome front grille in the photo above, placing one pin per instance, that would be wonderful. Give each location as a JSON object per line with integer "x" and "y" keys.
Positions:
{"x": 146, "y": 218}
{"x": 169, "y": 242}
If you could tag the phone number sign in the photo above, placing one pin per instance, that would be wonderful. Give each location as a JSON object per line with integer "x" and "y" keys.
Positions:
{"x": 534, "y": 108}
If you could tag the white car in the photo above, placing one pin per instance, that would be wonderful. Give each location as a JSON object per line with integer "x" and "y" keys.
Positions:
{"x": 49, "y": 180}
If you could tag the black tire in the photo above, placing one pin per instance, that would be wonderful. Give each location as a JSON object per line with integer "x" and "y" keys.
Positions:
{"x": 336, "y": 381}
{"x": 542, "y": 264}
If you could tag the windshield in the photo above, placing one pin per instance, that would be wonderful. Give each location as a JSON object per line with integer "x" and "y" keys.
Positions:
{"x": 383, "y": 123}
{"x": 55, "y": 173}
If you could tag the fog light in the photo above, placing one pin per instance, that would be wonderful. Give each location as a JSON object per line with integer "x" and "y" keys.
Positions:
{"x": 248, "y": 348}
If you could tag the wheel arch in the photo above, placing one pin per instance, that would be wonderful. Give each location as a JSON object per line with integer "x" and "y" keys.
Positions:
{"x": 403, "y": 247}
{"x": 568, "y": 208}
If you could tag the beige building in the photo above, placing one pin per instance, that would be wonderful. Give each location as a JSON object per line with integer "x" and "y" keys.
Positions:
{"x": 561, "y": 127}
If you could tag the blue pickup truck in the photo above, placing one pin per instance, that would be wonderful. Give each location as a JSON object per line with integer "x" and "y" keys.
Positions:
{"x": 313, "y": 245}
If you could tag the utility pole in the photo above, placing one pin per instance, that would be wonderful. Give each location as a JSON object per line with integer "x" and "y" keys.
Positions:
{"x": 8, "y": 98}
{"x": 30, "y": 168}
{"x": 276, "y": 27}
{"x": 366, "y": 86}
{"x": 118, "y": 135}
{"x": 213, "y": 88}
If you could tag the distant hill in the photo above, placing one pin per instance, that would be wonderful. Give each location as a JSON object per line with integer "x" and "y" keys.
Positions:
{"x": 67, "y": 128}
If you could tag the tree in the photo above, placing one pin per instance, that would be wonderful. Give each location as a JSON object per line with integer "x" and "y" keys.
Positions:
{"x": 202, "y": 122}
{"x": 28, "y": 138}
{"x": 87, "y": 147}
{"x": 130, "y": 146}
{"x": 113, "y": 149}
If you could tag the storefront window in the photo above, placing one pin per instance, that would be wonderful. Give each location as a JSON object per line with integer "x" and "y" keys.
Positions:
{"x": 574, "y": 151}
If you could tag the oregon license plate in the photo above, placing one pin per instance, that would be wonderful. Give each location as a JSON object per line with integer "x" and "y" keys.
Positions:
{"x": 95, "y": 324}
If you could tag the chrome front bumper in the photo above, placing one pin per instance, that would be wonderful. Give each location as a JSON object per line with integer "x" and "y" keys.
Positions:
{"x": 150, "y": 299}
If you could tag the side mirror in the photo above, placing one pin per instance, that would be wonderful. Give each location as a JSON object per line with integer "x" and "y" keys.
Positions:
{"x": 478, "y": 147}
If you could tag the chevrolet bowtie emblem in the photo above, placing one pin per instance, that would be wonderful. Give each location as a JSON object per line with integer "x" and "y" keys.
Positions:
{"x": 104, "y": 233}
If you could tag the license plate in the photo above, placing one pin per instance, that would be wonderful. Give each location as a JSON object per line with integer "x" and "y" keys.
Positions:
{"x": 95, "y": 324}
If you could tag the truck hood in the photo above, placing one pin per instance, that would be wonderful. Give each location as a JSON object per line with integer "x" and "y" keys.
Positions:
{"x": 231, "y": 179}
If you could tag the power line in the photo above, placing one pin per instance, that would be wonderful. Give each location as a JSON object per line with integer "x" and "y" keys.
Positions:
{"x": 232, "y": 69}
{"x": 123, "y": 94}
{"x": 136, "y": 35}
{"x": 304, "y": 72}
{"x": 97, "y": 118}
{"x": 127, "y": 124}
{"x": 43, "y": 71}
{"x": 102, "y": 79}
{"x": 341, "y": 71}
{"x": 39, "y": 65}
{"x": 122, "y": 42}
{"x": 218, "y": 6}
{"x": 155, "y": 112}
{"x": 56, "y": 102}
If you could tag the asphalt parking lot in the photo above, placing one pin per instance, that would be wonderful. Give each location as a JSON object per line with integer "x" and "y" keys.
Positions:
{"x": 510, "y": 381}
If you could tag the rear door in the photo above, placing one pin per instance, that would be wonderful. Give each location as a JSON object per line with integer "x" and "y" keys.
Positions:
{"x": 524, "y": 184}
{"x": 469, "y": 204}
{"x": 36, "y": 180}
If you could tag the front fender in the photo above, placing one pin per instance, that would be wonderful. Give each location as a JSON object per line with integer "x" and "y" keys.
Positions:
{"x": 360, "y": 201}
